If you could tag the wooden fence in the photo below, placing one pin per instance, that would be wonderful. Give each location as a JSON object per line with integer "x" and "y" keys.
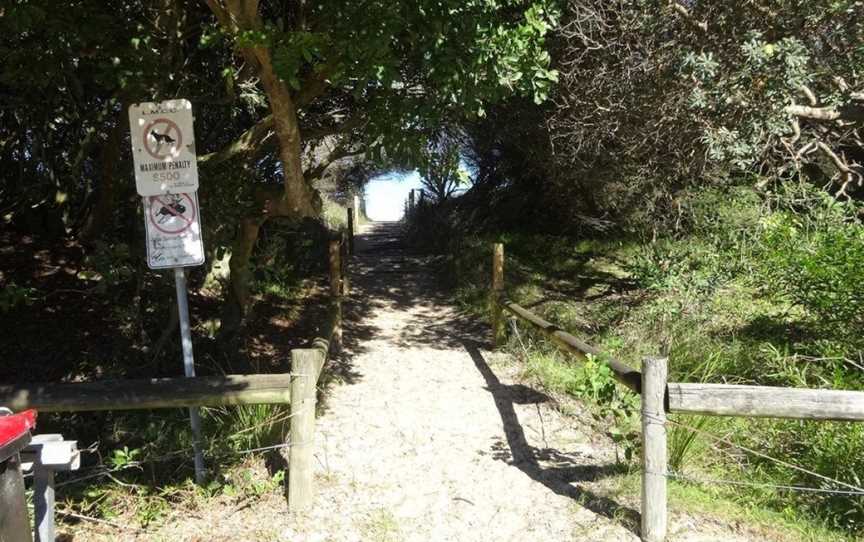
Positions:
{"x": 297, "y": 388}
{"x": 660, "y": 397}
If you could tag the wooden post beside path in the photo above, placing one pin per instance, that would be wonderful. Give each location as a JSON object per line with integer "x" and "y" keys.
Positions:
{"x": 304, "y": 375}
{"x": 350, "y": 230}
{"x": 497, "y": 290}
{"x": 338, "y": 285}
{"x": 346, "y": 284}
{"x": 654, "y": 511}
{"x": 335, "y": 265}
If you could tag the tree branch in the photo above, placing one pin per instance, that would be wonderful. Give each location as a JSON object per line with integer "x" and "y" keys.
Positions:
{"x": 323, "y": 131}
{"x": 685, "y": 13}
{"x": 848, "y": 112}
{"x": 811, "y": 98}
{"x": 246, "y": 11}
{"x": 337, "y": 154}
{"x": 247, "y": 143}
{"x": 314, "y": 85}
{"x": 847, "y": 174}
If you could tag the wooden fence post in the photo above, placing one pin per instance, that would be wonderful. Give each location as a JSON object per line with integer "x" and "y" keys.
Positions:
{"x": 495, "y": 294}
{"x": 350, "y": 230}
{"x": 346, "y": 283}
{"x": 337, "y": 288}
{"x": 335, "y": 255}
{"x": 304, "y": 377}
{"x": 355, "y": 204}
{"x": 654, "y": 513}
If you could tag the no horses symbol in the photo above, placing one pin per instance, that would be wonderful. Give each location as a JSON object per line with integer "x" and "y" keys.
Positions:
{"x": 162, "y": 139}
{"x": 173, "y": 213}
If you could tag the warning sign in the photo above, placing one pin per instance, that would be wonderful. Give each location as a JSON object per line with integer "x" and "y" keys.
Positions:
{"x": 173, "y": 231}
{"x": 163, "y": 147}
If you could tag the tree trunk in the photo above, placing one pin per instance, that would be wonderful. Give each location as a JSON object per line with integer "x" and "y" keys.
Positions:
{"x": 99, "y": 216}
{"x": 238, "y": 296}
{"x": 300, "y": 200}
{"x": 297, "y": 199}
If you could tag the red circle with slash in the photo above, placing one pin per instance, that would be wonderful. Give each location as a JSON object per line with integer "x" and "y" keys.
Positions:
{"x": 160, "y": 207}
{"x": 168, "y": 128}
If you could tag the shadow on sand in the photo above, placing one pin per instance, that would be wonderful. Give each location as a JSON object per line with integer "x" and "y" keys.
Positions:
{"x": 561, "y": 479}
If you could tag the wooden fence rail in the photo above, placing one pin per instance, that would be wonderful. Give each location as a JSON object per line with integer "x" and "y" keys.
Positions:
{"x": 149, "y": 393}
{"x": 660, "y": 397}
{"x": 766, "y": 402}
{"x": 622, "y": 372}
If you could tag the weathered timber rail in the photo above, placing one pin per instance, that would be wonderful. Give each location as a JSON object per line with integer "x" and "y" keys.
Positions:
{"x": 765, "y": 402}
{"x": 622, "y": 372}
{"x": 660, "y": 397}
{"x": 149, "y": 393}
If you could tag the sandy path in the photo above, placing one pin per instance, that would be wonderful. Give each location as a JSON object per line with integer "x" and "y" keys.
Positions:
{"x": 425, "y": 441}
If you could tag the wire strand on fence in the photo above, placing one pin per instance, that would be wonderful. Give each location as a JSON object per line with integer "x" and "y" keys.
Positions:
{"x": 264, "y": 449}
{"x": 266, "y": 423}
{"x": 515, "y": 325}
{"x": 803, "y": 489}
{"x": 855, "y": 489}
{"x": 170, "y": 455}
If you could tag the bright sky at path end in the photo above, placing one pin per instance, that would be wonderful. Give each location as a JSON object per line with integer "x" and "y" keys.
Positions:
{"x": 386, "y": 195}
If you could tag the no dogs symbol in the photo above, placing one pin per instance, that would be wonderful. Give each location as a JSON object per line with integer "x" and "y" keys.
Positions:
{"x": 172, "y": 214}
{"x": 162, "y": 139}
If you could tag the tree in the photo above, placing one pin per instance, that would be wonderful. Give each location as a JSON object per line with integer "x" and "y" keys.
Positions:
{"x": 655, "y": 97}
{"x": 440, "y": 171}
{"x": 282, "y": 92}
{"x": 397, "y": 70}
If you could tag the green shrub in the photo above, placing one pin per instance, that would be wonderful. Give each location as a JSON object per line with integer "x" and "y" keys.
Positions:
{"x": 12, "y": 296}
{"x": 246, "y": 427}
{"x": 593, "y": 381}
{"x": 818, "y": 263}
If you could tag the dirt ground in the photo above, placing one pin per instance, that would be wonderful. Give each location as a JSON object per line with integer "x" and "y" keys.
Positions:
{"x": 427, "y": 435}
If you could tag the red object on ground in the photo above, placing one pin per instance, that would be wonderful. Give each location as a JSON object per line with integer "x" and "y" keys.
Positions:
{"x": 15, "y": 432}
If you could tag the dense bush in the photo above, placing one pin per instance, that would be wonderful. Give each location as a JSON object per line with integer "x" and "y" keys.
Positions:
{"x": 653, "y": 99}
{"x": 817, "y": 263}
{"x": 765, "y": 294}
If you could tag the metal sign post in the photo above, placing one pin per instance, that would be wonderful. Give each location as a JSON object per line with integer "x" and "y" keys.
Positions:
{"x": 189, "y": 368}
{"x": 166, "y": 176}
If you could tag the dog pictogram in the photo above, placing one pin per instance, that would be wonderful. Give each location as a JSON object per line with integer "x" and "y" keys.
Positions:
{"x": 162, "y": 139}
